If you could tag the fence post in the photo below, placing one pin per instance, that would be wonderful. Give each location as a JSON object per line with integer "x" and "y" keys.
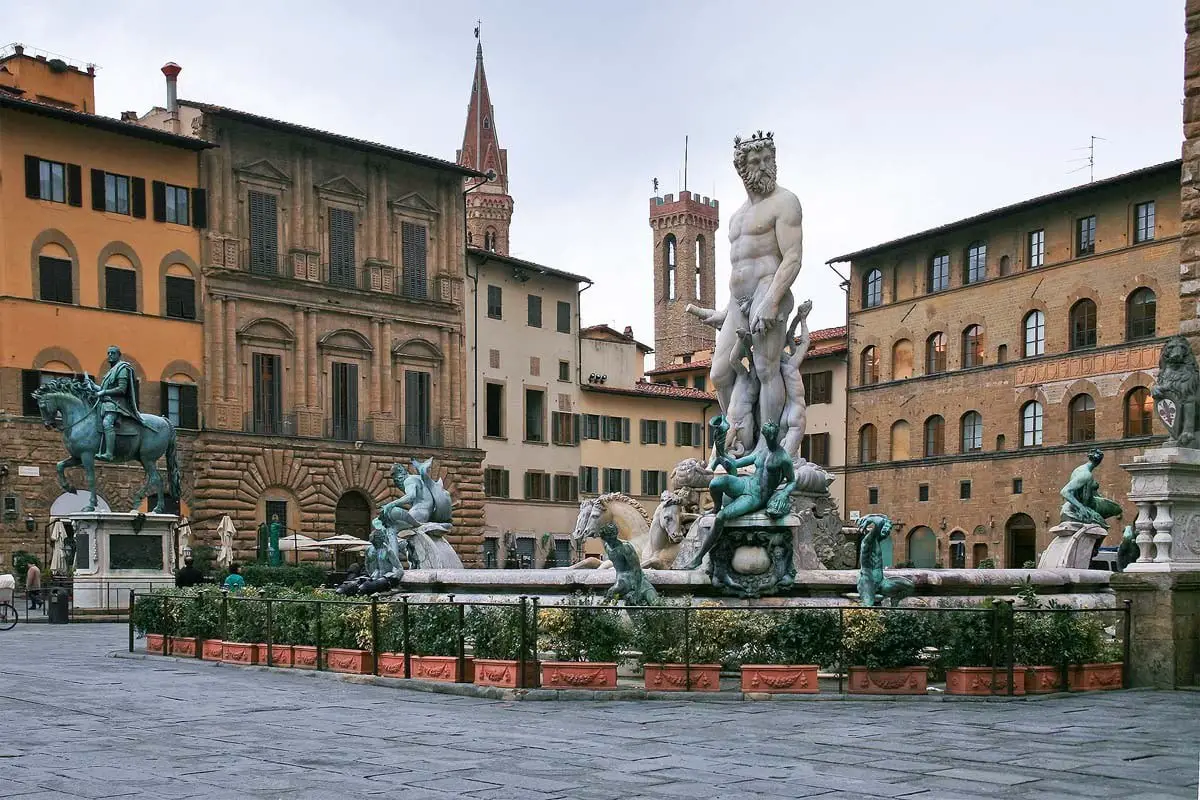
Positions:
{"x": 687, "y": 647}
{"x": 270, "y": 633}
{"x": 524, "y": 642}
{"x": 200, "y": 640}
{"x": 167, "y": 626}
{"x": 992, "y": 650}
{"x": 320, "y": 650}
{"x": 404, "y": 636}
{"x": 375, "y": 634}
{"x": 224, "y": 616}
{"x": 460, "y": 612}
{"x": 1011, "y": 645}
{"x": 537, "y": 672}
{"x": 841, "y": 647}
{"x": 132, "y": 602}
{"x": 1126, "y": 644}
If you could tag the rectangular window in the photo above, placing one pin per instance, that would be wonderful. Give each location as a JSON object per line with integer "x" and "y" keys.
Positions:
{"x": 566, "y": 489}
{"x": 814, "y": 447}
{"x": 1018, "y": 486}
{"x": 689, "y": 434}
{"x": 494, "y": 426}
{"x": 491, "y": 550}
{"x": 181, "y": 404}
{"x": 700, "y": 382}
{"x": 535, "y": 311}
{"x": 116, "y": 192}
{"x": 563, "y": 430}
{"x": 264, "y": 233}
{"x": 535, "y": 415}
{"x": 564, "y": 317}
{"x": 653, "y": 431}
{"x": 345, "y": 401}
{"x": 1085, "y": 235}
{"x": 51, "y": 180}
{"x": 525, "y": 549}
{"x": 939, "y": 272}
{"x": 120, "y": 289}
{"x": 341, "y": 248}
{"x": 177, "y": 205}
{"x": 562, "y": 551}
{"x": 414, "y": 251}
{"x": 964, "y": 490}
{"x": 923, "y": 492}
{"x": 873, "y": 496}
{"x": 1143, "y": 225}
{"x": 589, "y": 480}
{"x": 564, "y": 371}
{"x": 591, "y": 426}
{"x": 537, "y": 485}
{"x": 818, "y": 387}
{"x": 616, "y": 480}
{"x": 495, "y": 482}
{"x": 181, "y": 297}
{"x": 418, "y": 396}
{"x": 31, "y": 379}
{"x": 495, "y": 302}
{"x": 654, "y": 482}
{"x": 614, "y": 429}
{"x": 268, "y": 394}
{"x": 54, "y": 275}
{"x": 1037, "y": 248}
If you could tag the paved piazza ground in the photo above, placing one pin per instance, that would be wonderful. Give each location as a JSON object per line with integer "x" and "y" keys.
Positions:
{"x": 75, "y": 722}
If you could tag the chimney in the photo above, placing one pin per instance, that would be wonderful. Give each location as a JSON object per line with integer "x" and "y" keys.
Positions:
{"x": 129, "y": 116}
{"x": 172, "y": 70}
{"x": 629, "y": 331}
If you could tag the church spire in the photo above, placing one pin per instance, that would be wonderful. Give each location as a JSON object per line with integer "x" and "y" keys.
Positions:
{"x": 489, "y": 207}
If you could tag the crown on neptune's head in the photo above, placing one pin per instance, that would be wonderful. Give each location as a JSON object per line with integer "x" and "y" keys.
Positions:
{"x": 757, "y": 137}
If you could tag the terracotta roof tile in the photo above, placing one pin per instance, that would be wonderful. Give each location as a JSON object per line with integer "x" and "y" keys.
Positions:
{"x": 833, "y": 341}
{"x": 665, "y": 390}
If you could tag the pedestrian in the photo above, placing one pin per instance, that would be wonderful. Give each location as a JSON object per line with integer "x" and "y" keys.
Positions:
{"x": 189, "y": 575}
{"x": 234, "y": 581}
{"x": 33, "y": 585}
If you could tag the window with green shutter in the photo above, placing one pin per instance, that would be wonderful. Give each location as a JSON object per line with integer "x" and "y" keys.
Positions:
{"x": 413, "y": 252}
{"x": 264, "y": 233}
{"x": 341, "y": 248}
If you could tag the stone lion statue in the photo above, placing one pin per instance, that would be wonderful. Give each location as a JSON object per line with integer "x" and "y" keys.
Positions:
{"x": 1179, "y": 383}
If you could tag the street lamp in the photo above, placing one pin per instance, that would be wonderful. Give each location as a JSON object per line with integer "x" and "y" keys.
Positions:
{"x": 30, "y": 523}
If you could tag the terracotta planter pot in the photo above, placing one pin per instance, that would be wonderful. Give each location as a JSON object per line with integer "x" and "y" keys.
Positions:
{"x": 1042, "y": 680}
{"x": 899, "y": 680}
{"x": 674, "y": 678}
{"x": 304, "y": 656}
{"x": 212, "y": 649}
{"x": 978, "y": 681}
{"x": 1090, "y": 677}
{"x": 391, "y": 665}
{"x": 579, "y": 675}
{"x": 355, "y": 662}
{"x": 154, "y": 643}
{"x": 441, "y": 668}
{"x": 239, "y": 653}
{"x": 773, "y": 678}
{"x": 281, "y": 654}
{"x": 184, "y": 646}
{"x": 503, "y": 672}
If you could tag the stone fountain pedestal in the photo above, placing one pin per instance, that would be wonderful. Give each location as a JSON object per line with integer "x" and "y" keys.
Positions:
{"x": 755, "y": 555}
{"x": 118, "y": 552}
{"x": 1166, "y": 489}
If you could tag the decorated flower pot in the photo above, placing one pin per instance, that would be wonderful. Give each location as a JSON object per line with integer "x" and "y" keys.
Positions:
{"x": 503, "y": 672}
{"x": 979, "y": 681}
{"x": 211, "y": 649}
{"x": 281, "y": 654}
{"x": 239, "y": 653}
{"x": 578, "y": 675}
{"x": 773, "y": 678}
{"x": 391, "y": 665}
{"x": 441, "y": 668}
{"x": 1042, "y": 680}
{"x": 184, "y": 646}
{"x": 154, "y": 643}
{"x": 674, "y": 677}
{"x": 356, "y": 662}
{"x": 304, "y": 656}
{"x": 1090, "y": 677}
{"x": 897, "y": 680}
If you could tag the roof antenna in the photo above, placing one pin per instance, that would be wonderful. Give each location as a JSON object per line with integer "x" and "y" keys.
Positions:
{"x": 685, "y": 149}
{"x": 1091, "y": 158}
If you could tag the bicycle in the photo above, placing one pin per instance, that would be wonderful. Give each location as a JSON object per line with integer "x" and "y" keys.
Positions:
{"x": 8, "y": 617}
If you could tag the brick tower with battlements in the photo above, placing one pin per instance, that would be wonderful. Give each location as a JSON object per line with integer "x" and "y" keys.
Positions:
{"x": 489, "y": 207}
{"x": 684, "y": 272}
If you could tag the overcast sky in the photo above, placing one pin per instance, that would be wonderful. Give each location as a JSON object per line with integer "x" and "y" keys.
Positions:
{"x": 890, "y": 117}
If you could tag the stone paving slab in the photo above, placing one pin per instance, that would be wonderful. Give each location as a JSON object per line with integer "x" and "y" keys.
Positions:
{"x": 77, "y": 723}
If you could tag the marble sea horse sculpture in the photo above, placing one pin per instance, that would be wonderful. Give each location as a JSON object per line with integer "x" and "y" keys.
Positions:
{"x": 633, "y": 524}
{"x": 873, "y": 586}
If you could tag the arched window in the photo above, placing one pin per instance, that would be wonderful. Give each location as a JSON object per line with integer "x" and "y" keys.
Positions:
{"x": 1139, "y": 412}
{"x": 1000, "y": 442}
{"x": 1002, "y": 354}
{"x": 902, "y": 360}
{"x": 935, "y": 354}
{"x": 470, "y": 239}
{"x": 900, "y": 440}
{"x": 975, "y": 267}
{"x": 179, "y": 287}
{"x": 937, "y": 277}
{"x": 489, "y": 239}
{"x": 935, "y": 436}
{"x": 1031, "y": 424}
{"x": 922, "y": 547}
{"x": 1140, "y": 315}
{"x": 669, "y": 262}
{"x": 1005, "y": 266}
{"x": 699, "y": 263}
{"x": 869, "y": 367}
{"x": 56, "y": 280}
{"x": 1035, "y": 334}
{"x": 972, "y": 347}
{"x": 120, "y": 284}
{"x": 866, "y": 444}
{"x": 1081, "y": 427}
{"x": 873, "y": 289}
{"x": 972, "y": 432}
{"x": 958, "y": 550}
{"x": 1021, "y": 535}
{"x": 1083, "y": 324}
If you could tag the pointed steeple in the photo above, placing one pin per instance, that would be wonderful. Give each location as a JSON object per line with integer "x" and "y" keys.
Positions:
{"x": 489, "y": 207}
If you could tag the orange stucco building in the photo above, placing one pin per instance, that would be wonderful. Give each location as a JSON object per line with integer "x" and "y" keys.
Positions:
{"x": 99, "y": 244}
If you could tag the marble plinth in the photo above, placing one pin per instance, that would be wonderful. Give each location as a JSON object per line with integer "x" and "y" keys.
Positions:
{"x": 117, "y": 552}
{"x": 1072, "y": 546}
{"x": 1165, "y": 486}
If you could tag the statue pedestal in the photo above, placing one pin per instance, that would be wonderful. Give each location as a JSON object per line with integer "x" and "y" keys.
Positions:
{"x": 1166, "y": 489}
{"x": 754, "y": 555}
{"x": 1072, "y": 546}
{"x": 118, "y": 552}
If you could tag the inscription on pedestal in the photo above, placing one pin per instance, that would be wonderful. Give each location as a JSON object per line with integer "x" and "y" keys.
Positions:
{"x": 135, "y": 552}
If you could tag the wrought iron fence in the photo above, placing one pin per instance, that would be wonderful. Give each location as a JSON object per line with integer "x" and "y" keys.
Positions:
{"x": 263, "y": 262}
{"x": 270, "y": 424}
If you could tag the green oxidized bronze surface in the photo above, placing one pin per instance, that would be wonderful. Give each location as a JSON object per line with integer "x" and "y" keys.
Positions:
{"x": 1084, "y": 503}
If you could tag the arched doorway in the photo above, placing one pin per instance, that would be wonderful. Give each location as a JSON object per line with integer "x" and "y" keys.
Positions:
{"x": 1020, "y": 534}
{"x": 979, "y": 554}
{"x": 958, "y": 550}
{"x": 922, "y": 547}
{"x": 351, "y": 517}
